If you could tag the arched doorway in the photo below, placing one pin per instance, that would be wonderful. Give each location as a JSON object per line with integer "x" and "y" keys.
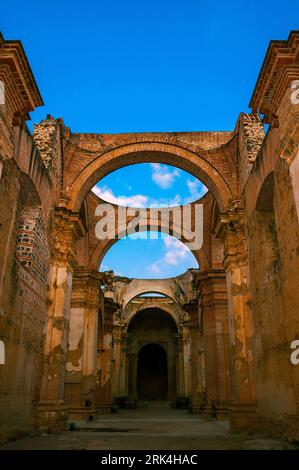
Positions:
{"x": 152, "y": 356}
{"x": 152, "y": 381}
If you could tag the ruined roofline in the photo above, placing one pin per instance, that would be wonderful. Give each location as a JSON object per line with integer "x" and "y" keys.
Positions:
{"x": 12, "y": 53}
{"x": 281, "y": 56}
{"x": 130, "y": 279}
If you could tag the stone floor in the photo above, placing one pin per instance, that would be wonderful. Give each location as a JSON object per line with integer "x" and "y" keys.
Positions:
{"x": 154, "y": 426}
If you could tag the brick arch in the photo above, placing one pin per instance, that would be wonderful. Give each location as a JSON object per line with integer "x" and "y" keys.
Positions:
{"x": 147, "y": 289}
{"x": 140, "y": 308}
{"x": 104, "y": 246}
{"x": 177, "y": 290}
{"x": 149, "y": 152}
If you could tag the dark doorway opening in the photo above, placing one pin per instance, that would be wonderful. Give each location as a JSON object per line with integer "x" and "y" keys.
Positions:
{"x": 152, "y": 373}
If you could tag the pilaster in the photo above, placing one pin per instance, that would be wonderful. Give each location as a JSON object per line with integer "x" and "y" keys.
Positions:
{"x": 51, "y": 410}
{"x": 231, "y": 229}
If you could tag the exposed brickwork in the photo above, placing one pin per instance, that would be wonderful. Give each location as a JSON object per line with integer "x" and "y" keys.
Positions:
{"x": 232, "y": 321}
{"x": 47, "y": 139}
{"x": 32, "y": 245}
{"x": 251, "y": 137}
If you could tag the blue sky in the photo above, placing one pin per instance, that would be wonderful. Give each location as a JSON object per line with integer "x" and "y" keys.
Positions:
{"x": 151, "y": 258}
{"x": 146, "y": 184}
{"x": 131, "y": 66}
{"x": 141, "y": 186}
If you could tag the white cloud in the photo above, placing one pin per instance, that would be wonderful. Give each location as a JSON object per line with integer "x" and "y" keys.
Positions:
{"x": 155, "y": 268}
{"x": 136, "y": 200}
{"x": 163, "y": 176}
{"x": 196, "y": 189}
{"x": 175, "y": 201}
{"x": 193, "y": 186}
{"x": 175, "y": 252}
{"x": 105, "y": 193}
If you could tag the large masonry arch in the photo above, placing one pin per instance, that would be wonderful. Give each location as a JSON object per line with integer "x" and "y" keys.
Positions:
{"x": 104, "y": 246}
{"x": 148, "y": 152}
{"x": 233, "y": 319}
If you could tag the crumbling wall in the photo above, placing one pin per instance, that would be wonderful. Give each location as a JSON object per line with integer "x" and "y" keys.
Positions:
{"x": 273, "y": 234}
{"x": 24, "y": 271}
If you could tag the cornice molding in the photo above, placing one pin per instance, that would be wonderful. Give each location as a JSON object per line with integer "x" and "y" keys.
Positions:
{"x": 19, "y": 81}
{"x": 279, "y": 69}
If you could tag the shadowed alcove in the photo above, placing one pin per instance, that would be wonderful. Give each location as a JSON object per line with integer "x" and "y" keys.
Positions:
{"x": 152, "y": 372}
{"x": 152, "y": 355}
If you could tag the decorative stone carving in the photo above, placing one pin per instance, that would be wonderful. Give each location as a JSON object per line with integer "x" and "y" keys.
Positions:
{"x": 47, "y": 137}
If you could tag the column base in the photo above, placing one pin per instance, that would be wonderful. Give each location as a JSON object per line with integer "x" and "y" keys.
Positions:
{"x": 292, "y": 429}
{"x": 198, "y": 404}
{"x": 197, "y": 408}
{"x": 244, "y": 417}
{"x": 81, "y": 413}
{"x": 222, "y": 413}
{"x": 104, "y": 409}
{"x": 51, "y": 416}
{"x": 207, "y": 411}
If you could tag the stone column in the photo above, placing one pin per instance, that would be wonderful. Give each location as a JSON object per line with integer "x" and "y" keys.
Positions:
{"x": 132, "y": 360}
{"x": 180, "y": 368}
{"x": 105, "y": 400}
{"x": 133, "y": 375}
{"x": 90, "y": 339}
{"x": 123, "y": 366}
{"x": 117, "y": 337}
{"x": 82, "y": 345}
{"x": 243, "y": 412}
{"x": 51, "y": 409}
{"x": 105, "y": 358}
{"x": 216, "y": 339}
{"x": 170, "y": 378}
{"x": 210, "y": 352}
{"x": 186, "y": 359}
{"x": 197, "y": 371}
{"x": 197, "y": 382}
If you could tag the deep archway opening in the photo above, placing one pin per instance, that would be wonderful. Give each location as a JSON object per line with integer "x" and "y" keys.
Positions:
{"x": 159, "y": 251}
{"x": 152, "y": 356}
{"x": 152, "y": 373}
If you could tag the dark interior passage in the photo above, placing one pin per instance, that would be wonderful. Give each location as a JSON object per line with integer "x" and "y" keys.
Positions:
{"x": 152, "y": 373}
{"x": 152, "y": 353}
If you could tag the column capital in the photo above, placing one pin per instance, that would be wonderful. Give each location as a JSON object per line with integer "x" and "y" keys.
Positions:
{"x": 86, "y": 287}
{"x": 230, "y": 228}
{"x": 118, "y": 331}
{"x": 68, "y": 227}
{"x": 288, "y": 146}
{"x": 211, "y": 274}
